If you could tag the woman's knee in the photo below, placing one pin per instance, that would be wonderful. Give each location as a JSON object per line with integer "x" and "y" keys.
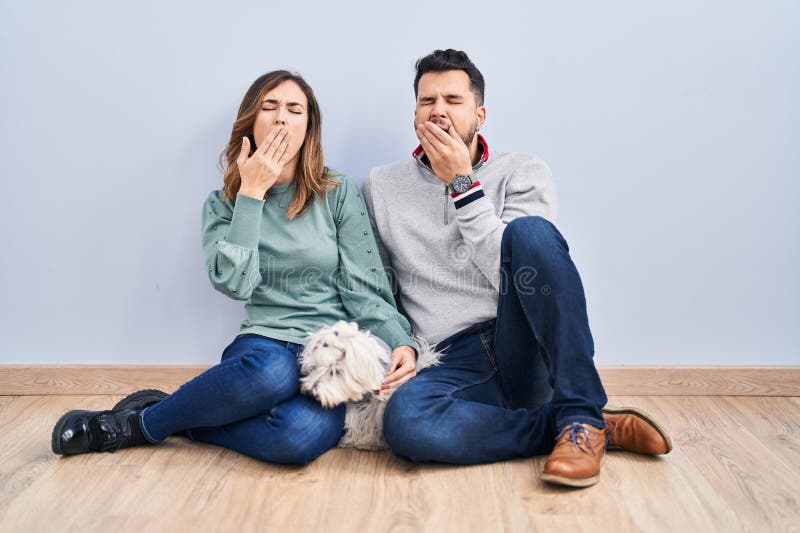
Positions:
{"x": 307, "y": 430}
{"x": 269, "y": 373}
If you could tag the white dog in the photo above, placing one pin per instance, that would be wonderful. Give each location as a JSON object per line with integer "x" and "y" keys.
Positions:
{"x": 340, "y": 364}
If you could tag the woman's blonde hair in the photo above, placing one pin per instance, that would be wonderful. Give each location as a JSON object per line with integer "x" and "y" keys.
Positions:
{"x": 311, "y": 177}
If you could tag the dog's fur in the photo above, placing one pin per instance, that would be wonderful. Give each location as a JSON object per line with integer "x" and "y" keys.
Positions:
{"x": 341, "y": 363}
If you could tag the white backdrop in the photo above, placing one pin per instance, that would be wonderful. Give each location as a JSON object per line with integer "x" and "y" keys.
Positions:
{"x": 672, "y": 131}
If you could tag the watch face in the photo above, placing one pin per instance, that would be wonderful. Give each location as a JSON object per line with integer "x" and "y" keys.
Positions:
{"x": 461, "y": 183}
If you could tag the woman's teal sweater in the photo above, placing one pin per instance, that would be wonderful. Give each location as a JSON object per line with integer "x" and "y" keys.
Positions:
{"x": 298, "y": 275}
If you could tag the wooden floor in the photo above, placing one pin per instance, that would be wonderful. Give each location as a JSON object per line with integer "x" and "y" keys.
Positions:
{"x": 735, "y": 467}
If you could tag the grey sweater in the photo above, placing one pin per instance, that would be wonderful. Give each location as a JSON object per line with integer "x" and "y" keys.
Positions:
{"x": 442, "y": 254}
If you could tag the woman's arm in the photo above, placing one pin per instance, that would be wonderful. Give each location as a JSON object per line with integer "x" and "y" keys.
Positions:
{"x": 230, "y": 243}
{"x": 361, "y": 280}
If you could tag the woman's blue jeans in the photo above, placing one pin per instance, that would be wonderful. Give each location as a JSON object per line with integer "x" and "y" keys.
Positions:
{"x": 250, "y": 402}
{"x": 507, "y": 386}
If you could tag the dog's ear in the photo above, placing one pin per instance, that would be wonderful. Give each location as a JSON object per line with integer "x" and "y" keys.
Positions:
{"x": 338, "y": 326}
{"x": 345, "y": 329}
{"x": 306, "y": 358}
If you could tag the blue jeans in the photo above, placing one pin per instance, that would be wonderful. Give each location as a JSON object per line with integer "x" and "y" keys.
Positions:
{"x": 507, "y": 386}
{"x": 250, "y": 402}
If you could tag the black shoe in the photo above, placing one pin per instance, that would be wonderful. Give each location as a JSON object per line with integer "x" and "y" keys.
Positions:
{"x": 96, "y": 431}
{"x": 144, "y": 398}
{"x": 140, "y": 399}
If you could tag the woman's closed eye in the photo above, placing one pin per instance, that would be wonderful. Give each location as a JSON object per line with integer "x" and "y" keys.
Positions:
{"x": 293, "y": 111}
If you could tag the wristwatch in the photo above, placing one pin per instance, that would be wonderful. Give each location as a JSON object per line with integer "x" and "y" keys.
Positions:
{"x": 461, "y": 183}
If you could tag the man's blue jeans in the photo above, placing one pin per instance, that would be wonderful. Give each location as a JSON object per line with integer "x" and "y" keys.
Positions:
{"x": 507, "y": 386}
{"x": 250, "y": 402}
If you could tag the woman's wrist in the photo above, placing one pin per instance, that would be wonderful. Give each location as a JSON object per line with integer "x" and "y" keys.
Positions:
{"x": 409, "y": 348}
{"x": 258, "y": 195}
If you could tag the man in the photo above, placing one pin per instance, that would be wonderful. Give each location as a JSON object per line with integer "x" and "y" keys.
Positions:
{"x": 468, "y": 236}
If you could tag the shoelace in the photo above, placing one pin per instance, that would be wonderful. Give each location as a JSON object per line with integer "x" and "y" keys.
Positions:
{"x": 610, "y": 442}
{"x": 577, "y": 434}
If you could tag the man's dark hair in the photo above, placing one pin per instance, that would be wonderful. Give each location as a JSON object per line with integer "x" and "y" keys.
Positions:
{"x": 443, "y": 60}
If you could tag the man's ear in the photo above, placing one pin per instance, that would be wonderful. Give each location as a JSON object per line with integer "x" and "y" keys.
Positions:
{"x": 481, "y": 113}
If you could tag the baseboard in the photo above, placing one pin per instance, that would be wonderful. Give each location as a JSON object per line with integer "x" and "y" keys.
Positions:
{"x": 701, "y": 380}
{"x": 17, "y": 380}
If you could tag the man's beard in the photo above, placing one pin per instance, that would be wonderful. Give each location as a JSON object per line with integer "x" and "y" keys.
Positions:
{"x": 471, "y": 135}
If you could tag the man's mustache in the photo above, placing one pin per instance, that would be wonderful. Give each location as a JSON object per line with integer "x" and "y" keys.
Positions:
{"x": 442, "y": 123}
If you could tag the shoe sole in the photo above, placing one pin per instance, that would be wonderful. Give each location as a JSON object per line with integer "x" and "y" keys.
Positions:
{"x": 55, "y": 440}
{"x": 571, "y": 481}
{"x": 578, "y": 482}
{"x": 644, "y": 416}
{"x": 143, "y": 396}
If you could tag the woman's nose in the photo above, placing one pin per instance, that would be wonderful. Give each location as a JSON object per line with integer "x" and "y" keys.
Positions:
{"x": 280, "y": 117}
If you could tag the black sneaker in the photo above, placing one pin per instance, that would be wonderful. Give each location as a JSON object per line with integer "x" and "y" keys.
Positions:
{"x": 96, "y": 431}
{"x": 140, "y": 399}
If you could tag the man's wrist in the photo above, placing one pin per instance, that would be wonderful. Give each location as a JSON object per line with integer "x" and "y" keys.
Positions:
{"x": 475, "y": 192}
{"x": 448, "y": 179}
{"x": 462, "y": 172}
{"x": 461, "y": 183}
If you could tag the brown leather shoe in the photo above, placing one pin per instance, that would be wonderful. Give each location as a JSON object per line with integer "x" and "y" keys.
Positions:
{"x": 576, "y": 459}
{"x": 633, "y": 430}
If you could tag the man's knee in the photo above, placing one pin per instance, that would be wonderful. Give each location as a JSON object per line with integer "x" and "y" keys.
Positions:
{"x": 533, "y": 225}
{"x": 399, "y": 414}
{"x": 416, "y": 427}
{"x": 532, "y": 231}
{"x": 404, "y": 422}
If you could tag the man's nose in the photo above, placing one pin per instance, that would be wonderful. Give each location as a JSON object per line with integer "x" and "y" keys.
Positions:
{"x": 438, "y": 110}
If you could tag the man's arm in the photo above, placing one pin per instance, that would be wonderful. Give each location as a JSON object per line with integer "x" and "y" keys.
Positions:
{"x": 530, "y": 191}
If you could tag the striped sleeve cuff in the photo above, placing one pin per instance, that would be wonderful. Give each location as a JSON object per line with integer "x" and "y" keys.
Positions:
{"x": 469, "y": 196}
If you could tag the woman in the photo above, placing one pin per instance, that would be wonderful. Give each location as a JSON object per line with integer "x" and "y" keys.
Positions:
{"x": 294, "y": 241}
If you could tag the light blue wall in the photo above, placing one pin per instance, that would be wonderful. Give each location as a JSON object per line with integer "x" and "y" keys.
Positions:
{"x": 672, "y": 131}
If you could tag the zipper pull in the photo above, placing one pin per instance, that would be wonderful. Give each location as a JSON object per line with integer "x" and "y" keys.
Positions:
{"x": 445, "y": 205}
